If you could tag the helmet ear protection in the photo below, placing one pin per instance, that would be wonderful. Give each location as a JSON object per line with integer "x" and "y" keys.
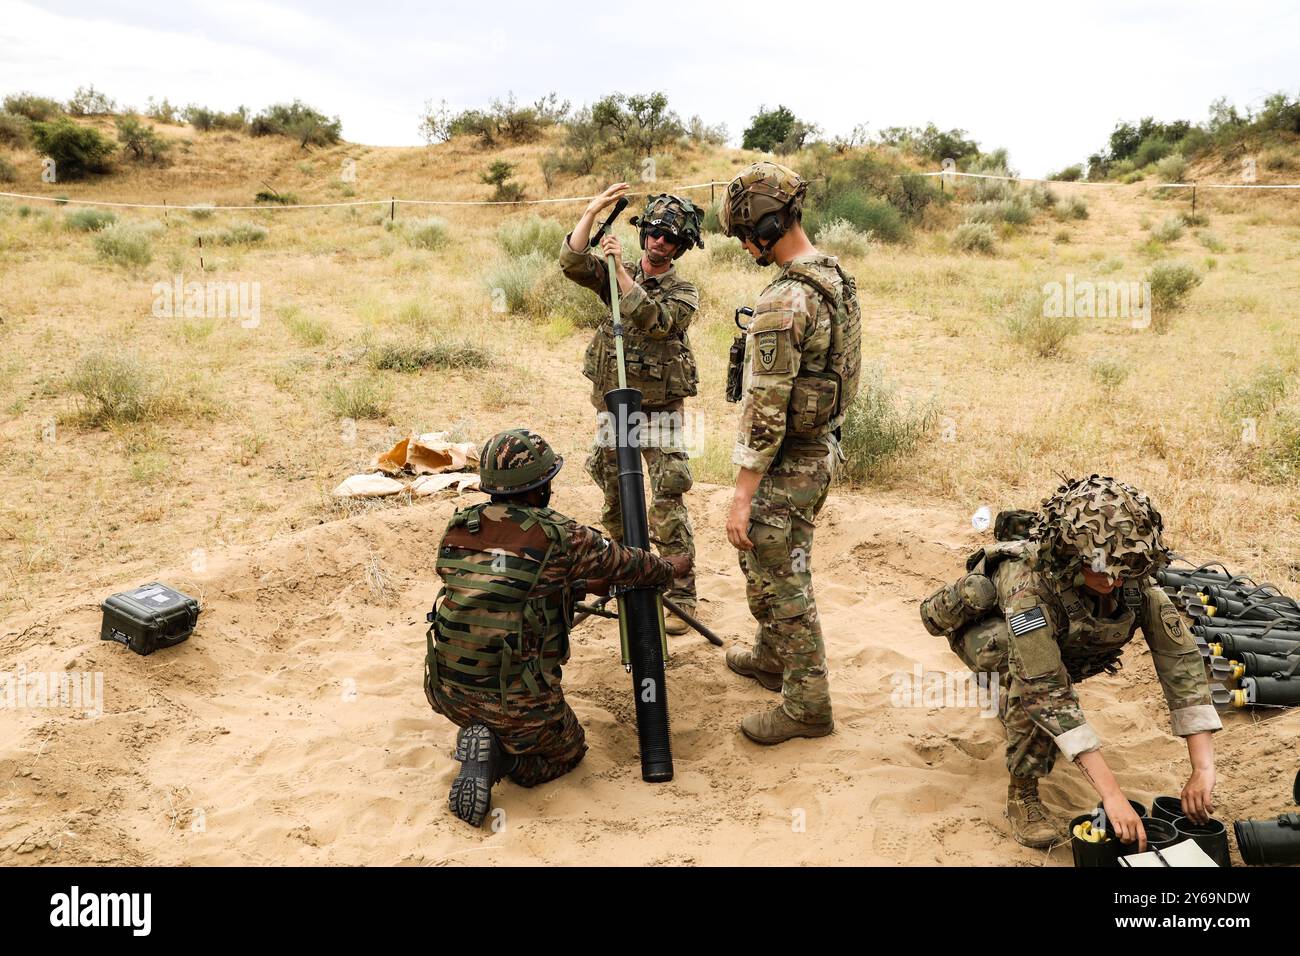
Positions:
{"x": 770, "y": 228}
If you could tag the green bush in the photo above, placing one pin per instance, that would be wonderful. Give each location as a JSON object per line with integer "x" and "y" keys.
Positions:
{"x": 553, "y": 294}
{"x": 777, "y": 130}
{"x": 410, "y": 356}
{"x": 1169, "y": 230}
{"x": 1042, "y": 197}
{"x": 863, "y": 212}
{"x": 241, "y": 234}
{"x": 1268, "y": 386}
{"x": 306, "y": 330}
{"x": 297, "y": 121}
{"x": 1171, "y": 284}
{"x": 76, "y": 149}
{"x": 140, "y": 141}
{"x": 429, "y": 233}
{"x": 8, "y": 173}
{"x": 275, "y": 198}
{"x": 124, "y": 245}
{"x": 1172, "y": 168}
{"x": 1279, "y": 461}
{"x": 1109, "y": 373}
{"x": 365, "y": 397}
{"x": 840, "y": 238}
{"x": 710, "y": 223}
{"x": 89, "y": 220}
{"x": 1015, "y": 210}
{"x": 1074, "y": 208}
{"x": 519, "y": 237}
{"x": 1211, "y": 242}
{"x": 113, "y": 387}
{"x": 1044, "y": 335}
{"x": 974, "y": 237}
{"x": 878, "y": 429}
{"x": 1152, "y": 150}
{"x": 512, "y": 281}
{"x": 203, "y": 211}
{"x": 205, "y": 120}
{"x": 88, "y": 101}
{"x": 15, "y": 130}
{"x": 1069, "y": 174}
{"x": 38, "y": 109}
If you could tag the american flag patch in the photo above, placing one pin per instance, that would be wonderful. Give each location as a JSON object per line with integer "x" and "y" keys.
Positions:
{"x": 1027, "y": 621}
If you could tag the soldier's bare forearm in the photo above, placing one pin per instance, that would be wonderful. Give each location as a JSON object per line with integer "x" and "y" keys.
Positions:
{"x": 581, "y": 234}
{"x": 1200, "y": 750}
{"x": 1093, "y": 766}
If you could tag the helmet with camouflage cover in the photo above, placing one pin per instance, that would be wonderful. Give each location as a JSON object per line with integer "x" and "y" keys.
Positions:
{"x": 1099, "y": 524}
{"x": 675, "y": 215}
{"x": 516, "y": 461}
{"x": 762, "y": 203}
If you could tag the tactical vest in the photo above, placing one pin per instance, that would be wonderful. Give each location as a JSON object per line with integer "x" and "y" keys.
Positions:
{"x": 663, "y": 370}
{"x": 820, "y": 397}
{"x": 486, "y": 632}
{"x": 1095, "y": 644}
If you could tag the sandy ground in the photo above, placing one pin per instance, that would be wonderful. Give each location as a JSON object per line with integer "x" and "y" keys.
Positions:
{"x": 292, "y": 729}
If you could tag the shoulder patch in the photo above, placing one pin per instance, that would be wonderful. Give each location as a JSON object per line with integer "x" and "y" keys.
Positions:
{"x": 1026, "y": 621}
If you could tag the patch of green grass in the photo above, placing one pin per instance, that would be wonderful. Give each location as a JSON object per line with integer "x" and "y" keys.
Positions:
{"x": 1260, "y": 394}
{"x": 88, "y": 220}
{"x": 436, "y": 354}
{"x": 1030, "y": 326}
{"x": 113, "y": 387}
{"x": 1109, "y": 373}
{"x": 305, "y": 330}
{"x": 879, "y": 429}
{"x": 124, "y": 245}
{"x": 360, "y": 398}
{"x": 520, "y": 237}
{"x": 1169, "y": 230}
{"x": 975, "y": 237}
{"x": 429, "y": 233}
{"x": 841, "y": 238}
{"x": 1171, "y": 284}
{"x": 510, "y": 283}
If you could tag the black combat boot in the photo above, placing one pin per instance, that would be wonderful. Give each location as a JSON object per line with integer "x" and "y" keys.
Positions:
{"x": 482, "y": 764}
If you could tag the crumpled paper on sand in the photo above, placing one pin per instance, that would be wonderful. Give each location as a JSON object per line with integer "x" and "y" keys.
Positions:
{"x": 429, "y": 454}
{"x": 432, "y": 484}
{"x": 368, "y": 486}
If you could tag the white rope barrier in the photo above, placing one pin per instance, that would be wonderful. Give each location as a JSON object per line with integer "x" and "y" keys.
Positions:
{"x": 185, "y": 207}
{"x": 1080, "y": 182}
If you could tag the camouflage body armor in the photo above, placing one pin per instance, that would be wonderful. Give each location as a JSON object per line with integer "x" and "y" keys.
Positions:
{"x": 486, "y": 632}
{"x": 820, "y": 397}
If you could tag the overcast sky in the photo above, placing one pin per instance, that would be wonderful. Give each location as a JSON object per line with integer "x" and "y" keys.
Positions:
{"x": 1046, "y": 81}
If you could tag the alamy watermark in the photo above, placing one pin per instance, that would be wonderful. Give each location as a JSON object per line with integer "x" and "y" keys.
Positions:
{"x": 921, "y": 688}
{"x": 212, "y": 299}
{"x": 74, "y": 690}
{"x": 1086, "y": 299}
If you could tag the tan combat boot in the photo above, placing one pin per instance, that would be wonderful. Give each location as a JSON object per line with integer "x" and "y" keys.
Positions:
{"x": 741, "y": 661}
{"x": 775, "y": 725}
{"x": 674, "y": 624}
{"x": 1030, "y": 823}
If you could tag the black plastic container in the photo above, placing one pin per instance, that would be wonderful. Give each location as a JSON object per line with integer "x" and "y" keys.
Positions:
{"x": 1160, "y": 834}
{"x": 1092, "y": 854}
{"x": 149, "y": 617}
{"x": 1212, "y": 837}
{"x": 1167, "y": 808}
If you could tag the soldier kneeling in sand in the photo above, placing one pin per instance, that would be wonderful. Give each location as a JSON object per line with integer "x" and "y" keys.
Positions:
{"x": 500, "y": 627}
{"x": 1058, "y": 606}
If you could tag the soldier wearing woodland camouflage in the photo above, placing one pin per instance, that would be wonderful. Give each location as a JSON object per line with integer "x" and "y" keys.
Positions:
{"x": 512, "y": 569}
{"x": 1057, "y": 604}
{"x": 657, "y": 306}
{"x": 802, "y": 369}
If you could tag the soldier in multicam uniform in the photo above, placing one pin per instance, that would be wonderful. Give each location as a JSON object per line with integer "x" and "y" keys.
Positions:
{"x": 657, "y": 307}
{"x": 801, "y": 374}
{"x": 1057, "y": 606}
{"x": 512, "y": 569}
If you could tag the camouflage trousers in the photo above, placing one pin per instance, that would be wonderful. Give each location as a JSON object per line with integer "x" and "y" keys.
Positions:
{"x": 541, "y": 731}
{"x": 778, "y": 579}
{"x": 984, "y": 646}
{"x": 670, "y": 479}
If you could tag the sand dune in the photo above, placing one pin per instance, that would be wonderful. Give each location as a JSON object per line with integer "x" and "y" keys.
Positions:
{"x": 292, "y": 727}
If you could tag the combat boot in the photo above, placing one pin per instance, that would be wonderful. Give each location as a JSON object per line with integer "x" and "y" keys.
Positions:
{"x": 1030, "y": 823}
{"x": 482, "y": 764}
{"x": 741, "y": 661}
{"x": 775, "y": 725}
{"x": 674, "y": 624}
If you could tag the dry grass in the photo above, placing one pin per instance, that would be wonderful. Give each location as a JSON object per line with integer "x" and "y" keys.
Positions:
{"x": 1121, "y": 400}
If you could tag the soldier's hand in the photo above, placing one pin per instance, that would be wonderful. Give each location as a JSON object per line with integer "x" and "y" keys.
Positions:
{"x": 1124, "y": 822}
{"x": 681, "y": 563}
{"x": 1198, "y": 795}
{"x": 610, "y": 246}
{"x": 610, "y": 196}
{"x": 738, "y": 525}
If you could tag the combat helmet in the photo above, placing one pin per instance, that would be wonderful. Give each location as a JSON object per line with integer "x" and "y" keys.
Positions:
{"x": 516, "y": 461}
{"x": 762, "y": 203}
{"x": 675, "y": 215}
{"x": 1099, "y": 524}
